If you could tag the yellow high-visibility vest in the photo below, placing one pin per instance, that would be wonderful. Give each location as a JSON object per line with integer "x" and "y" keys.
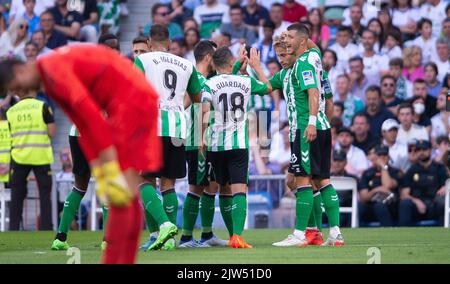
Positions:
{"x": 5, "y": 150}
{"x": 31, "y": 144}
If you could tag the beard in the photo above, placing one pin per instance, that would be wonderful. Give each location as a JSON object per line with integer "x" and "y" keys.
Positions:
{"x": 425, "y": 159}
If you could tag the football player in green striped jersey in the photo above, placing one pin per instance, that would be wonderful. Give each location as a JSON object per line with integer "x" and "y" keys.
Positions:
{"x": 312, "y": 150}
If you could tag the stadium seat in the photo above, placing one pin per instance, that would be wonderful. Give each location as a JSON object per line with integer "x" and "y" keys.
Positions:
{"x": 5, "y": 196}
{"x": 345, "y": 184}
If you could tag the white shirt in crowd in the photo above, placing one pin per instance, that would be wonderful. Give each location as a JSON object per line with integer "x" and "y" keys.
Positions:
{"x": 357, "y": 161}
{"x": 344, "y": 54}
{"x": 277, "y": 32}
{"x": 428, "y": 47}
{"x": 394, "y": 52}
{"x": 374, "y": 65}
{"x": 17, "y": 7}
{"x": 6, "y": 47}
{"x": 278, "y": 153}
{"x": 369, "y": 12}
{"x": 401, "y": 18}
{"x": 438, "y": 127}
{"x": 443, "y": 66}
{"x": 436, "y": 14}
{"x": 416, "y": 132}
{"x": 398, "y": 155}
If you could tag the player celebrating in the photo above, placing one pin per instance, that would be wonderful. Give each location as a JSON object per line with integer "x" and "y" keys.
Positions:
{"x": 229, "y": 97}
{"x": 96, "y": 79}
{"x": 172, "y": 76}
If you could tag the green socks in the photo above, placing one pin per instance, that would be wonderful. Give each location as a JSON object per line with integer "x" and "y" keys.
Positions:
{"x": 190, "y": 213}
{"x": 239, "y": 212}
{"x": 207, "y": 208}
{"x": 317, "y": 209}
{"x": 170, "y": 204}
{"x": 226, "y": 203}
{"x": 331, "y": 203}
{"x": 154, "y": 211}
{"x": 104, "y": 216}
{"x": 304, "y": 206}
{"x": 70, "y": 209}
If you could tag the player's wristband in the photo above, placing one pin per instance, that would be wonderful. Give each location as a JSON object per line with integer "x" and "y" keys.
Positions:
{"x": 312, "y": 120}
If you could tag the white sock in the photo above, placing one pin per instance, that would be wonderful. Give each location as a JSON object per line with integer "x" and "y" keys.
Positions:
{"x": 311, "y": 228}
{"x": 165, "y": 224}
{"x": 299, "y": 234}
{"x": 154, "y": 234}
{"x": 335, "y": 231}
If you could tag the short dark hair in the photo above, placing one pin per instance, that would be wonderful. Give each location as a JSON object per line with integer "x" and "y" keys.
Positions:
{"x": 156, "y": 7}
{"x": 339, "y": 104}
{"x": 180, "y": 41}
{"x": 422, "y": 22}
{"x": 388, "y": 76}
{"x": 406, "y": 105}
{"x": 236, "y": 7}
{"x": 332, "y": 53}
{"x": 360, "y": 114}
{"x": 105, "y": 37}
{"x": 374, "y": 88}
{"x": 276, "y": 4}
{"x": 32, "y": 43}
{"x": 226, "y": 34}
{"x": 222, "y": 57}
{"x": 420, "y": 81}
{"x": 7, "y": 72}
{"x": 432, "y": 65}
{"x": 140, "y": 39}
{"x": 366, "y": 30}
{"x": 356, "y": 58}
{"x": 269, "y": 24}
{"x": 273, "y": 61}
{"x": 397, "y": 61}
{"x": 159, "y": 33}
{"x": 299, "y": 28}
{"x": 203, "y": 48}
{"x": 345, "y": 29}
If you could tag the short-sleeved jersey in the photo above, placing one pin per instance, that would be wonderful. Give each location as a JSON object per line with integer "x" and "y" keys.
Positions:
{"x": 194, "y": 123}
{"x": 229, "y": 96}
{"x": 172, "y": 76}
{"x": 308, "y": 73}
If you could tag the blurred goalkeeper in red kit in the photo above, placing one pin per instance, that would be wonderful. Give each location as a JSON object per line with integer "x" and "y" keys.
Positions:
{"x": 87, "y": 80}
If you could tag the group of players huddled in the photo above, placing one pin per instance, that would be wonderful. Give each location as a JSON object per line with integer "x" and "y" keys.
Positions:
{"x": 128, "y": 141}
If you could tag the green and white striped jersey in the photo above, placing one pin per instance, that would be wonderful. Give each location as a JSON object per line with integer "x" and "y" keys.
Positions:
{"x": 171, "y": 76}
{"x": 308, "y": 73}
{"x": 229, "y": 96}
{"x": 194, "y": 121}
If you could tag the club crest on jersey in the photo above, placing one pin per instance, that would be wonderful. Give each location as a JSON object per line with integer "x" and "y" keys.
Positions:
{"x": 307, "y": 77}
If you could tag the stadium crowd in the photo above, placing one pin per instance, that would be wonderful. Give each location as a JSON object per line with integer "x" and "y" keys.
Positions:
{"x": 388, "y": 63}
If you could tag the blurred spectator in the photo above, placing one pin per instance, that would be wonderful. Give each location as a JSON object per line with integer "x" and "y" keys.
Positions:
{"x": 412, "y": 59}
{"x": 420, "y": 90}
{"x": 67, "y": 22}
{"x": 384, "y": 16}
{"x": 441, "y": 57}
{"x": 30, "y": 16}
{"x": 192, "y": 37}
{"x": 210, "y": 16}
{"x": 446, "y": 26}
{"x": 398, "y": 152}
{"x": 88, "y": 9}
{"x": 265, "y": 46}
{"x": 338, "y": 164}
{"x": 123, "y": 7}
{"x": 190, "y": 23}
{"x": 345, "y": 48}
{"x": 109, "y": 16}
{"x": 408, "y": 130}
{"x": 435, "y": 11}
{"x": 375, "y": 65}
{"x": 375, "y": 111}
{"x": 179, "y": 12}
{"x": 357, "y": 160}
{"x": 160, "y": 16}
{"x": 238, "y": 30}
{"x": 31, "y": 51}
{"x": 441, "y": 152}
{"x": 12, "y": 42}
{"x": 375, "y": 26}
{"x": 404, "y": 16}
{"x": 110, "y": 40}
{"x": 336, "y": 123}
{"x": 38, "y": 37}
{"x": 354, "y": 21}
{"x": 377, "y": 188}
{"x": 276, "y": 16}
{"x": 329, "y": 61}
{"x": 140, "y": 46}
{"x": 363, "y": 137}
{"x": 18, "y": 8}
{"x": 2, "y": 21}
{"x": 359, "y": 82}
{"x": 404, "y": 87}
{"x": 255, "y": 15}
{"x": 280, "y": 151}
{"x": 425, "y": 41}
{"x": 53, "y": 37}
{"x": 294, "y": 12}
{"x": 388, "y": 90}
{"x": 338, "y": 111}
{"x": 392, "y": 44}
{"x": 433, "y": 85}
{"x": 333, "y": 8}
{"x": 320, "y": 32}
{"x": 352, "y": 104}
{"x": 178, "y": 47}
{"x": 440, "y": 123}
{"x": 423, "y": 190}
{"x": 420, "y": 117}
{"x": 367, "y": 12}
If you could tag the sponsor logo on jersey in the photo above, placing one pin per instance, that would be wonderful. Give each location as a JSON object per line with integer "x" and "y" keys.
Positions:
{"x": 307, "y": 77}
{"x": 293, "y": 159}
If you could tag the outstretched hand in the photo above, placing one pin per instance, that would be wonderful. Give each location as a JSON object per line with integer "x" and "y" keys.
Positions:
{"x": 255, "y": 58}
{"x": 242, "y": 54}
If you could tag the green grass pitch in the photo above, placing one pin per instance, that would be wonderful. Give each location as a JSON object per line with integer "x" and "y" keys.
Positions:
{"x": 397, "y": 245}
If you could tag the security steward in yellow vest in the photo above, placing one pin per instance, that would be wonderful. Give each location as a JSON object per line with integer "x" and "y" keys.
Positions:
{"x": 32, "y": 125}
{"x": 5, "y": 149}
